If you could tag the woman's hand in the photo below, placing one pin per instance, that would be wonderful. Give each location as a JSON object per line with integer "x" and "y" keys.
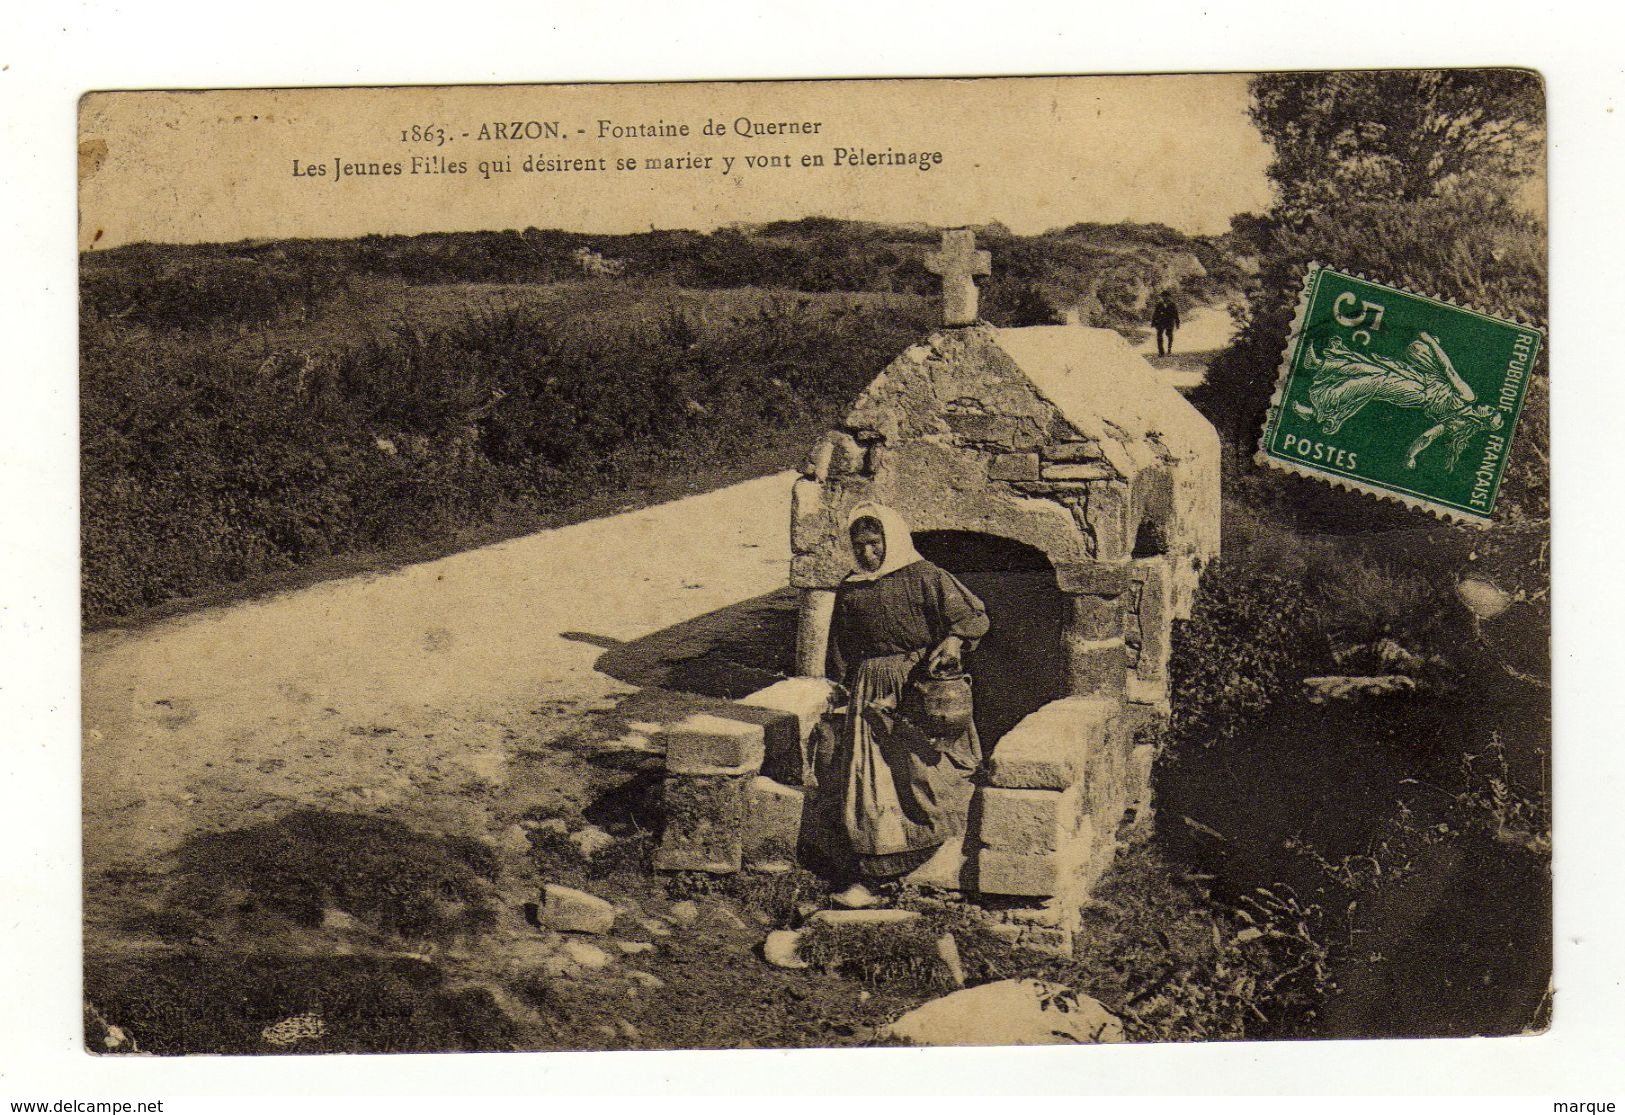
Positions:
{"x": 945, "y": 658}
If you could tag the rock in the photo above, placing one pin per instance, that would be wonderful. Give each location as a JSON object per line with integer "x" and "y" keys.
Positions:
{"x": 634, "y": 948}
{"x": 1320, "y": 690}
{"x": 575, "y": 911}
{"x": 782, "y": 949}
{"x": 1009, "y": 1012}
{"x": 334, "y": 918}
{"x": 1483, "y": 599}
{"x": 646, "y": 979}
{"x": 845, "y": 918}
{"x": 655, "y": 927}
{"x": 591, "y": 840}
{"x": 554, "y": 825}
{"x": 585, "y": 954}
{"x": 628, "y": 1031}
{"x": 290, "y": 1031}
{"x": 685, "y": 912}
{"x": 727, "y": 917}
{"x": 560, "y": 966}
{"x": 516, "y": 840}
{"x": 772, "y": 867}
{"x": 948, "y": 951}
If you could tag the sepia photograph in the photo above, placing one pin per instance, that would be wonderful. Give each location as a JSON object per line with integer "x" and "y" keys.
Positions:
{"x": 781, "y": 564}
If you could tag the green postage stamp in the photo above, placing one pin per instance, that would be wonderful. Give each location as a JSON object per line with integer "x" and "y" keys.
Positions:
{"x": 1399, "y": 395}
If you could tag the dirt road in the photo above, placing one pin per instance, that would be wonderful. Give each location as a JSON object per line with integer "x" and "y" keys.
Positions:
{"x": 362, "y": 692}
{"x": 1205, "y": 330}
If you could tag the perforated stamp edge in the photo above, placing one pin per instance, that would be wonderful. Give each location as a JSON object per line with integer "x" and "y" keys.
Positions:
{"x": 1272, "y": 415}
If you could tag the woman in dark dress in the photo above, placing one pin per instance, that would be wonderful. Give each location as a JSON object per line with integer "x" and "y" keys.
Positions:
{"x": 897, "y": 616}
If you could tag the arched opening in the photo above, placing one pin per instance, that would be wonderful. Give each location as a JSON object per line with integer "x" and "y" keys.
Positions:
{"x": 1021, "y": 665}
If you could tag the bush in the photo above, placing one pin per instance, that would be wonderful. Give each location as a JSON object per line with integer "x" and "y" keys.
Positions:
{"x": 1250, "y": 639}
{"x": 207, "y": 462}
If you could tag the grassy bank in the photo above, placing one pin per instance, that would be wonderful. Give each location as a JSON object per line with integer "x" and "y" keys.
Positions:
{"x": 214, "y": 458}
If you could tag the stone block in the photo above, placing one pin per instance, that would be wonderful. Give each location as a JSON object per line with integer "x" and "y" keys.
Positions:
{"x": 705, "y": 823}
{"x": 1013, "y": 467}
{"x": 1095, "y": 617}
{"x": 1079, "y": 471}
{"x": 1110, "y": 517}
{"x": 1140, "y": 691}
{"x": 822, "y": 568}
{"x": 988, "y": 429}
{"x": 1096, "y": 578}
{"x": 1030, "y": 822}
{"x": 1071, "y": 452}
{"x": 1049, "y": 749}
{"x": 815, "y": 466}
{"x": 703, "y": 744}
{"x": 1028, "y": 876}
{"x": 813, "y": 615}
{"x": 800, "y": 702}
{"x": 1155, "y": 616}
{"x": 1053, "y": 939}
{"x": 812, "y": 523}
{"x": 846, "y": 455}
{"x": 1095, "y": 666}
{"x": 772, "y": 821}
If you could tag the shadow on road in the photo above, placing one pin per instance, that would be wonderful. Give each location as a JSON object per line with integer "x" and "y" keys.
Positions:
{"x": 729, "y": 653}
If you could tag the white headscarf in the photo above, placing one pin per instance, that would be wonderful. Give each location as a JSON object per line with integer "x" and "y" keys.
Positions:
{"x": 900, "y": 550}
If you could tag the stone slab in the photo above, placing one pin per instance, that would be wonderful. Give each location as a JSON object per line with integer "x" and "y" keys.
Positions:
{"x": 1078, "y": 470}
{"x": 1013, "y": 467}
{"x": 794, "y": 707}
{"x": 1049, "y": 749}
{"x": 1073, "y": 452}
{"x": 1009, "y": 1012}
{"x": 1155, "y": 616}
{"x": 843, "y": 919}
{"x": 707, "y": 744}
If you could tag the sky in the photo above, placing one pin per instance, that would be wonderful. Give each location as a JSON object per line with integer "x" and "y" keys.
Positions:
{"x": 1035, "y": 153}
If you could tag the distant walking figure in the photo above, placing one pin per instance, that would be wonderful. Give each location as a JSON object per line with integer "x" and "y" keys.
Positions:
{"x": 1165, "y": 318}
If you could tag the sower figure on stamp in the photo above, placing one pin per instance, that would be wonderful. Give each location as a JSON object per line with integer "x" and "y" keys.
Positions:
{"x": 900, "y": 770}
{"x": 1346, "y": 380}
{"x": 1165, "y": 319}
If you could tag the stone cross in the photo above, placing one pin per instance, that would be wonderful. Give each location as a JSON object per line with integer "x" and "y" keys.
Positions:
{"x": 957, "y": 262}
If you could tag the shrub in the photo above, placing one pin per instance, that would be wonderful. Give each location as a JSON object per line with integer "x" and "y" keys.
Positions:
{"x": 1250, "y": 639}
{"x": 397, "y": 880}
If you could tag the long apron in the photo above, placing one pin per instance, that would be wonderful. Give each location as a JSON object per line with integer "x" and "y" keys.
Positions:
{"x": 903, "y": 795}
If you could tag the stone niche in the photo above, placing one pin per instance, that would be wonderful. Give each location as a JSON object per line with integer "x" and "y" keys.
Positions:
{"x": 1063, "y": 441}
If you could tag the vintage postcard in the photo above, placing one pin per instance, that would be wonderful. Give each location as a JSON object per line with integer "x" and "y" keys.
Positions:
{"x": 829, "y": 563}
